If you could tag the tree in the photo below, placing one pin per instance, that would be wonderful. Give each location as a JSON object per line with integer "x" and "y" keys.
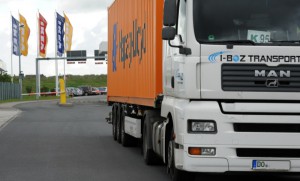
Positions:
{"x": 5, "y": 78}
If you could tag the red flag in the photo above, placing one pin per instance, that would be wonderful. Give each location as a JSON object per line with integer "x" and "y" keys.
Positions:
{"x": 43, "y": 39}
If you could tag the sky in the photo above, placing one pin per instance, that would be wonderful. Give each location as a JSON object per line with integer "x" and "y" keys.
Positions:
{"x": 89, "y": 21}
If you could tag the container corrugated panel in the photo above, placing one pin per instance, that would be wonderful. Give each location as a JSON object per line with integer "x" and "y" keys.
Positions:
{"x": 135, "y": 51}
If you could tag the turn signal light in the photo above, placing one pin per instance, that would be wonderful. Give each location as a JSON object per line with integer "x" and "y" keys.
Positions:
{"x": 202, "y": 151}
{"x": 194, "y": 151}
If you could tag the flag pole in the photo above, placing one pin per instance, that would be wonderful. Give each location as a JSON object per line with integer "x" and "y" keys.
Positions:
{"x": 20, "y": 65}
{"x": 64, "y": 54}
{"x": 56, "y": 62}
{"x": 11, "y": 53}
{"x": 65, "y": 70}
{"x": 38, "y": 82}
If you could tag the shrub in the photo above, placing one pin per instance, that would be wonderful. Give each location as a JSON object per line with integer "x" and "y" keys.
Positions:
{"x": 28, "y": 89}
{"x": 5, "y": 78}
{"x": 44, "y": 89}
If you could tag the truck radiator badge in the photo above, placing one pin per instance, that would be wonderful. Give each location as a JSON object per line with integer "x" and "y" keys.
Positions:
{"x": 272, "y": 83}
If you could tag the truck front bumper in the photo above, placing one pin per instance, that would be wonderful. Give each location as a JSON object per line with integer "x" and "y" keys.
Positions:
{"x": 227, "y": 164}
{"x": 272, "y": 146}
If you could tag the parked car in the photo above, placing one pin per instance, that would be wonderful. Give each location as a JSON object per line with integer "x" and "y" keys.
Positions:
{"x": 78, "y": 92}
{"x": 70, "y": 91}
{"x": 95, "y": 91}
{"x": 86, "y": 90}
{"x": 102, "y": 90}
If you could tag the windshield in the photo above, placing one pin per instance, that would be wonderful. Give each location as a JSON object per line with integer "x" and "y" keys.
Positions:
{"x": 260, "y": 21}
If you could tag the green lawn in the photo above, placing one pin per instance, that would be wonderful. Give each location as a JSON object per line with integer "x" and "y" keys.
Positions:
{"x": 48, "y": 83}
{"x": 31, "y": 98}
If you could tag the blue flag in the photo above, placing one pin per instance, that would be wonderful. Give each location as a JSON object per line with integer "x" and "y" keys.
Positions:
{"x": 60, "y": 21}
{"x": 15, "y": 37}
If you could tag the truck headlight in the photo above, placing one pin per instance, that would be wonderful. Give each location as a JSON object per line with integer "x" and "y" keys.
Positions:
{"x": 202, "y": 126}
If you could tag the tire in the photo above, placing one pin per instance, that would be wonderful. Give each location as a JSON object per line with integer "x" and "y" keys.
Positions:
{"x": 114, "y": 121}
{"x": 150, "y": 157}
{"x": 86, "y": 94}
{"x": 176, "y": 174}
{"x": 119, "y": 111}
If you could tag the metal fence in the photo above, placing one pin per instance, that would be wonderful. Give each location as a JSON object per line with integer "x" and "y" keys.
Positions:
{"x": 9, "y": 91}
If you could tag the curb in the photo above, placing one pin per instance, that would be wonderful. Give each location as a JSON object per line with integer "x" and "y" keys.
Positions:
{"x": 13, "y": 115}
{"x": 5, "y": 123}
{"x": 13, "y": 104}
{"x": 15, "y": 112}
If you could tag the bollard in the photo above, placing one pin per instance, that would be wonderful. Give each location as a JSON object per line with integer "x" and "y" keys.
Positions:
{"x": 63, "y": 97}
{"x": 63, "y": 94}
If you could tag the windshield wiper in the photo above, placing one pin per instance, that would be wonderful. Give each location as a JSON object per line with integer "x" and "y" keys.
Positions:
{"x": 232, "y": 42}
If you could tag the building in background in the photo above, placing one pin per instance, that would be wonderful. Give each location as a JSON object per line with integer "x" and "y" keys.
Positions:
{"x": 103, "y": 49}
{"x": 101, "y": 52}
{"x": 3, "y": 69}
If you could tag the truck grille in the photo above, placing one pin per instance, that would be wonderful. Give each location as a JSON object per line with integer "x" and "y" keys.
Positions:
{"x": 266, "y": 128}
{"x": 260, "y": 78}
{"x": 276, "y": 153}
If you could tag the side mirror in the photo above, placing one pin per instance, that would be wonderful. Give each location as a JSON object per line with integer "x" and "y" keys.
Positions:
{"x": 168, "y": 33}
{"x": 170, "y": 13}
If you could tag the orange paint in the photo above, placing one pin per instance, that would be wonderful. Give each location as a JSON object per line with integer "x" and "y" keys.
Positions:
{"x": 135, "y": 51}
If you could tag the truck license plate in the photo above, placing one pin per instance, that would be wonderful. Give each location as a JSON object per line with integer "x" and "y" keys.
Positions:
{"x": 271, "y": 165}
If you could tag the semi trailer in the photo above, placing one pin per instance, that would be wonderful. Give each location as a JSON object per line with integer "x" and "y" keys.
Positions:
{"x": 207, "y": 86}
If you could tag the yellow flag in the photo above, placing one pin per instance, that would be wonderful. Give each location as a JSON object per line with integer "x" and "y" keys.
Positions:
{"x": 68, "y": 34}
{"x": 24, "y": 35}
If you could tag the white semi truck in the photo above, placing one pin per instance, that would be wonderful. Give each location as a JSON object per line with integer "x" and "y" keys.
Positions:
{"x": 230, "y": 78}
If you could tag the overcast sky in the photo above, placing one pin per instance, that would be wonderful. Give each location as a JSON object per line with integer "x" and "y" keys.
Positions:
{"x": 89, "y": 20}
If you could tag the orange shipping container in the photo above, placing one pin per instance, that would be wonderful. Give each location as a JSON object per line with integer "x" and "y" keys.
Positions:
{"x": 135, "y": 51}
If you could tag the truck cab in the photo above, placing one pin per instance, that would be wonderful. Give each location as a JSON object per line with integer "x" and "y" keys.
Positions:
{"x": 231, "y": 84}
{"x": 239, "y": 50}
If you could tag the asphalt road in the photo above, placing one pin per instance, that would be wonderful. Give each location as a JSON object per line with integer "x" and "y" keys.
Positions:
{"x": 51, "y": 143}
{"x": 91, "y": 97}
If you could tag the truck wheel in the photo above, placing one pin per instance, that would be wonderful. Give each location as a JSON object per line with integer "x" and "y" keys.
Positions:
{"x": 119, "y": 111}
{"x": 176, "y": 174}
{"x": 114, "y": 125}
{"x": 150, "y": 157}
